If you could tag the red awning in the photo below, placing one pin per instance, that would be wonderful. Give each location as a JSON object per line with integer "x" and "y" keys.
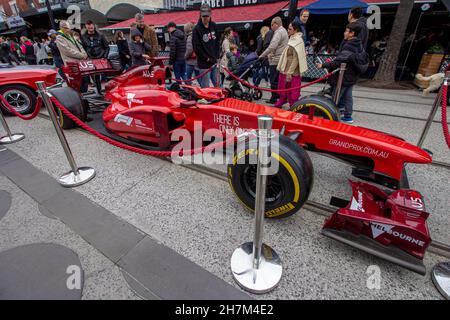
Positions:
{"x": 304, "y": 3}
{"x": 255, "y": 13}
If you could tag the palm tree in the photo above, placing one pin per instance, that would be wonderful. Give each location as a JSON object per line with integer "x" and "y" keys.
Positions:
{"x": 388, "y": 64}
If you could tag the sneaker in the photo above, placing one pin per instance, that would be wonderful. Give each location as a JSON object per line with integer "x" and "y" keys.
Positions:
{"x": 347, "y": 119}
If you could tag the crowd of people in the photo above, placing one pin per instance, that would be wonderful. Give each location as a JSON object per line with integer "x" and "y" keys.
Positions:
{"x": 24, "y": 50}
{"x": 198, "y": 50}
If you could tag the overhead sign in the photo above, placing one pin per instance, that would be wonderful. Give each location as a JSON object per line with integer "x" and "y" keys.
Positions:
{"x": 195, "y": 4}
{"x": 15, "y": 22}
{"x": 54, "y": 7}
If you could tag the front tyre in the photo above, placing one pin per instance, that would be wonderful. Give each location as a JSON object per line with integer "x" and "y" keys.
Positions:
{"x": 287, "y": 190}
{"x": 324, "y": 107}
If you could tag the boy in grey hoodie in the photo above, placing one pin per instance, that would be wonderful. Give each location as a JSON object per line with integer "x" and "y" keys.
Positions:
{"x": 138, "y": 48}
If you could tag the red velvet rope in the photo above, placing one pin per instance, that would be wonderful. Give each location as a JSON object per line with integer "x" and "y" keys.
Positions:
{"x": 154, "y": 153}
{"x": 197, "y": 77}
{"x": 17, "y": 114}
{"x": 444, "y": 114}
{"x": 279, "y": 90}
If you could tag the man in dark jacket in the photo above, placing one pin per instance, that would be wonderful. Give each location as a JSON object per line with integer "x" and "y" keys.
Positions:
{"x": 96, "y": 47}
{"x": 356, "y": 16}
{"x": 177, "y": 51}
{"x": 350, "y": 53}
{"x": 206, "y": 46}
{"x": 94, "y": 42}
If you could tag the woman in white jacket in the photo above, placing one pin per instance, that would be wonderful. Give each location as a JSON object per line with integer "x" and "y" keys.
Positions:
{"x": 291, "y": 66}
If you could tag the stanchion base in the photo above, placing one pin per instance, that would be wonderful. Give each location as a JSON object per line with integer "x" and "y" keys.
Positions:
{"x": 441, "y": 278}
{"x": 260, "y": 280}
{"x": 71, "y": 179}
{"x": 14, "y": 138}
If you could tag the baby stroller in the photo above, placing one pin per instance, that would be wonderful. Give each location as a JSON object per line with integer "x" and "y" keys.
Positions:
{"x": 237, "y": 89}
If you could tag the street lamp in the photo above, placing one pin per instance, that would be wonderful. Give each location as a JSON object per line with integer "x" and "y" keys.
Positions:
{"x": 292, "y": 10}
{"x": 50, "y": 14}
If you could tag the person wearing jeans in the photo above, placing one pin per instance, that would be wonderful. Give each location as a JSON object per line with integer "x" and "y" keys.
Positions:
{"x": 177, "y": 51}
{"x": 352, "y": 53}
{"x": 206, "y": 45}
{"x": 276, "y": 47}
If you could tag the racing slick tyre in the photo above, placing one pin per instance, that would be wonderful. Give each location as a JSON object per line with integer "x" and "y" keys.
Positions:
{"x": 287, "y": 190}
{"x": 70, "y": 99}
{"x": 21, "y": 98}
{"x": 325, "y": 107}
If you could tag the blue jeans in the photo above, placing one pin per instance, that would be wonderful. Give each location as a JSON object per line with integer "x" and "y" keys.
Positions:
{"x": 204, "y": 81}
{"x": 179, "y": 68}
{"x": 190, "y": 70}
{"x": 346, "y": 100}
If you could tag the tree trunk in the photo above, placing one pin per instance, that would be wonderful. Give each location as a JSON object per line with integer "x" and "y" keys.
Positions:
{"x": 388, "y": 64}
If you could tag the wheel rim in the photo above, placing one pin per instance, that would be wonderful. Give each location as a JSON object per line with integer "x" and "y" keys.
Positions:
{"x": 17, "y": 99}
{"x": 274, "y": 191}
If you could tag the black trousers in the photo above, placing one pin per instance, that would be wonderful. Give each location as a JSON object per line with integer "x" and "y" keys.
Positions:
{"x": 273, "y": 78}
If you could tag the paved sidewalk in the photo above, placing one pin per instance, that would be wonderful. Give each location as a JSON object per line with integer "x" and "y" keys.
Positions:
{"x": 24, "y": 224}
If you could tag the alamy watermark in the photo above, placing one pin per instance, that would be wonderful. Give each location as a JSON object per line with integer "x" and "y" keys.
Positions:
{"x": 73, "y": 281}
{"x": 374, "y": 20}
{"x": 373, "y": 281}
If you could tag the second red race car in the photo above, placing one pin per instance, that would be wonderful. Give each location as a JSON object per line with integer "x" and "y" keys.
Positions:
{"x": 18, "y": 85}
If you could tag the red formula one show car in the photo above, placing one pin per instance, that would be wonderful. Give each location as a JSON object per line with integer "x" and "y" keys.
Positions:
{"x": 145, "y": 112}
{"x": 18, "y": 85}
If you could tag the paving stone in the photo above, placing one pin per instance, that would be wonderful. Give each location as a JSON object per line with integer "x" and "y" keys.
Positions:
{"x": 40, "y": 272}
{"x": 150, "y": 263}
{"x": 112, "y": 236}
{"x": 5, "y": 203}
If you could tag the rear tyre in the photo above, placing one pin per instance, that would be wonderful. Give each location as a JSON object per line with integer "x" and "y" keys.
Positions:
{"x": 325, "y": 107}
{"x": 287, "y": 190}
{"x": 70, "y": 99}
{"x": 21, "y": 98}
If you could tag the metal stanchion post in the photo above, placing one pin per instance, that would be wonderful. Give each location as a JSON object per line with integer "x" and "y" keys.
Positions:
{"x": 255, "y": 266}
{"x": 337, "y": 93}
{"x": 10, "y": 137}
{"x": 434, "y": 109}
{"x": 441, "y": 278}
{"x": 77, "y": 176}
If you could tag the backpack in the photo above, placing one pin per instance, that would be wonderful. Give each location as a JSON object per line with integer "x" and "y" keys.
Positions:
{"x": 362, "y": 61}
